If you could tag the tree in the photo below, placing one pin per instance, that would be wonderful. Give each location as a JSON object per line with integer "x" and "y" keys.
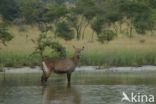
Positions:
{"x": 64, "y": 31}
{"x": 136, "y": 13}
{"x": 81, "y": 16}
{"x": 152, "y": 3}
{"x": 76, "y": 21}
{"x": 142, "y": 24}
{"x": 112, "y": 13}
{"x": 98, "y": 24}
{"x": 88, "y": 10}
{"x": 32, "y": 11}
{"x": 9, "y": 9}
{"x": 55, "y": 12}
{"x": 5, "y": 36}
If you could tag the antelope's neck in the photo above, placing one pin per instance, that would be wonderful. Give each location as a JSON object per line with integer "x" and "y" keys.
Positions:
{"x": 76, "y": 59}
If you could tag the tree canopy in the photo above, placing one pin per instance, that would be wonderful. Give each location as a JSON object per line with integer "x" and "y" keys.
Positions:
{"x": 99, "y": 15}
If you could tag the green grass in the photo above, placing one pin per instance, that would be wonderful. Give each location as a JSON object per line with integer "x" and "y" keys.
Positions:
{"x": 120, "y": 58}
{"x": 116, "y": 57}
{"x": 18, "y": 59}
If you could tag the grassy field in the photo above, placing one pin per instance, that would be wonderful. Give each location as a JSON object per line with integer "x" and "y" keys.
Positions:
{"x": 122, "y": 51}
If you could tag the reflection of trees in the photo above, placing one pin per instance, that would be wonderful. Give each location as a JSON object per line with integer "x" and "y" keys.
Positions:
{"x": 60, "y": 95}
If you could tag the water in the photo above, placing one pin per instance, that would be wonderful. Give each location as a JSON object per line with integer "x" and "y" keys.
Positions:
{"x": 77, "y": 94}
{"x": 87, "y": 88}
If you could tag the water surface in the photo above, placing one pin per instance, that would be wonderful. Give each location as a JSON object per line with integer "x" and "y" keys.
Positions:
{"x": 87, "y": 87}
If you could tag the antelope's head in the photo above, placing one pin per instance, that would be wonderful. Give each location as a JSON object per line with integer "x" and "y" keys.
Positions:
{"x": 78, "y": 52}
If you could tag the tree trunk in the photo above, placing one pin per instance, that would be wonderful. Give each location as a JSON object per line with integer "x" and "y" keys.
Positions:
{"x": 92, "y": 38}
{"x": 84, "y": 30}
{"x": 130, "y": 31}
{"x": 78, "y": 35}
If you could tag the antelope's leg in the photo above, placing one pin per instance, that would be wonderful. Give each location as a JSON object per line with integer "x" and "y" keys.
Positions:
{"x": 46, "y": 72}
{"x": 68, "y": 78}
{"x": 48, "y": 75}
{"x": 45, "y": 76}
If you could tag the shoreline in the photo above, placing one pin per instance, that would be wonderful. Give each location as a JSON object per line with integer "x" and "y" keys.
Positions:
{"x": 37, "y": 69}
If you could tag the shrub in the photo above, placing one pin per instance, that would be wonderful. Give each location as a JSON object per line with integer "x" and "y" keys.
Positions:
{"x": 106, "y": 36}
{"x": 61, "y": 51}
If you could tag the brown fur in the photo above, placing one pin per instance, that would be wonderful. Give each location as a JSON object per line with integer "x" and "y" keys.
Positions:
{"x": 61, "y": 65}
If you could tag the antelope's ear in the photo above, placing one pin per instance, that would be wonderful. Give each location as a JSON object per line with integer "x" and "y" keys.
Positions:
{"x": 83, "y": 48}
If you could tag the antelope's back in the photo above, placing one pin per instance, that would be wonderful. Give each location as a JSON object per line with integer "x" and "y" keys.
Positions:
{"x": 64, "y": 65}
{"x": 60, "y": 65}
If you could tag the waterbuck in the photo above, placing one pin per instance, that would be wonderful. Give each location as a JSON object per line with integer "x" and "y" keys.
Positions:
{"x": 61, "y": 65}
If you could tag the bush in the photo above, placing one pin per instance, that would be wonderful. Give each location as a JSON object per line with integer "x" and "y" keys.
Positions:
{"x": 59, "y": 49}
{"x": 106, "y": 36}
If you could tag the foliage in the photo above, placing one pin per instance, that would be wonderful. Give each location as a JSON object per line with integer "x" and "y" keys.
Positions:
{"x": 152, "y": 3}
{"x": 59, "y": 49}
{"x": 76, "y": 23}
{"x": 139, "y": 15}
{"x": 98, "y": 24}
{"x": 106, "y": 36}
{"x": 55, "y": 12}
{"x": 45, "y": 43}
{"x": 32, "y": 11}
{"x": 5, "y": 36}
{"x": 87, "y": 8}
{"x": 142, "y": 23}
{"x": 9, "y": 9}
{"x": 64, "y": 31}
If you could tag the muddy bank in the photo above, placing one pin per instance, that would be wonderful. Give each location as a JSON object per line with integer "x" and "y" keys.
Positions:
{"x": 37, "y": 69}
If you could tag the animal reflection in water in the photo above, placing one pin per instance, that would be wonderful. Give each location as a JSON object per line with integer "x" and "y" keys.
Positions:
{"x": 60, "y": 95}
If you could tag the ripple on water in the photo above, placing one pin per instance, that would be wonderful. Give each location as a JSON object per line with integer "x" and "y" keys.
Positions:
{"x": 77, "y": 94}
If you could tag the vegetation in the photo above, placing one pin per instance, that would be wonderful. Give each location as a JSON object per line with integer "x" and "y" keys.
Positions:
{"x": 106, "y": 36}
{"x": 63, "y": 30}
{"x": 119, "y": 52}
{"x": 55, "y": 24}
{"x": 138, "y": 15}
{"x": 5, "y": 36}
